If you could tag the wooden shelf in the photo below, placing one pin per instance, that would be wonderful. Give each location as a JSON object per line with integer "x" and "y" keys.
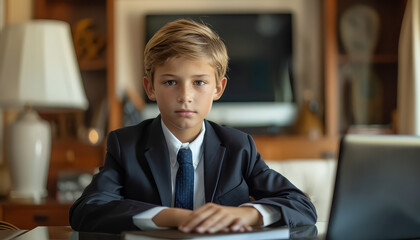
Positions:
{"x": 376, "y": 58}
{"x": 296, "y": 147}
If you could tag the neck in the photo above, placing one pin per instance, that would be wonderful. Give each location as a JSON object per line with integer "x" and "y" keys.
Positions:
{"x": 184, "y": 135}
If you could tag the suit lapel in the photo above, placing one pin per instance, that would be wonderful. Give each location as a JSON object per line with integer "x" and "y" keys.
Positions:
{"x": 214, "y": 154}
{"x": 157, "y": 156}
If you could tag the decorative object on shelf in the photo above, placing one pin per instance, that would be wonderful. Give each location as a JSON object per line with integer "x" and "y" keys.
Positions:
{"x": 307, "y": 123}
{"x": 71, "y": 184}
{"x": 38, "y": 69}
{"x": 95, "y": 133}
{"x": 87, "y": 42}
{"x": 359, "y": 28}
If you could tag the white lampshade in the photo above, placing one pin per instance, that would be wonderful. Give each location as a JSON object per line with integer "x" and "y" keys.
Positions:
{"x": 38, "y": 66}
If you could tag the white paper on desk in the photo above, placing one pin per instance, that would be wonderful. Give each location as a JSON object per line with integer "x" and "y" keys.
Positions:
{"x": 256, "y": 234}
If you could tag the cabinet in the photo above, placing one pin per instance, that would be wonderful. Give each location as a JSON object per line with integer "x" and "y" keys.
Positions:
{"x": 361, "y": 64}
{"x": 97, "y": 71}
{"x": 28, "y": 215}
{"x": 92, "y": 28}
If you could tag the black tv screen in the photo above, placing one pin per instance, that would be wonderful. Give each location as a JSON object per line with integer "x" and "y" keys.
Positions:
{"x": 260, "y": 52}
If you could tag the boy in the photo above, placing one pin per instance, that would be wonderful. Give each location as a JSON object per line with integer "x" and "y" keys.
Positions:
{"x": 142, "y": 186}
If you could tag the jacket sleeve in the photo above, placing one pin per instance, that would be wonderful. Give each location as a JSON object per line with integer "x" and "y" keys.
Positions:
{"x": 271, "y": 188}
{"x": 102, "y": 206}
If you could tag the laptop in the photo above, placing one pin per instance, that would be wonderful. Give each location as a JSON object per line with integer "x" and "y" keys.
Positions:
{"x": 377, "y": 188}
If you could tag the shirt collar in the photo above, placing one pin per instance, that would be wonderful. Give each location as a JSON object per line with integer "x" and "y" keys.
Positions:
{"x": 174, "y": 145}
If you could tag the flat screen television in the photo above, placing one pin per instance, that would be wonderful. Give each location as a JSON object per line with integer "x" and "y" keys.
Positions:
{"x": 259, "y": 91}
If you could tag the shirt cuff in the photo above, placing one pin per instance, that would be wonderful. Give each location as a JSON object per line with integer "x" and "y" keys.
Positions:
{"x": 269, "y": 214}
{"x": 144, "y": 220}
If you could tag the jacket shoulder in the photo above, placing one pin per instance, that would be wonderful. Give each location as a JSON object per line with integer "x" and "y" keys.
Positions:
{"x": 229, "y": 135}
{"x": 133, "y": 131}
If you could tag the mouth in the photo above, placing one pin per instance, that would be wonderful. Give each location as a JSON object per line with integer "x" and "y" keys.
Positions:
{"x": 185, "y": 112}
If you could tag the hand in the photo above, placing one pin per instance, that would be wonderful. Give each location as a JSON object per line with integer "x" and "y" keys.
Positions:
{"x": 212, "y": 218}
{"x": 171, "y": 217}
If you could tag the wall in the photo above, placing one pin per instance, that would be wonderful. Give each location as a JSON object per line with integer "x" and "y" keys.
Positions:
{"x": 129, "y": 21}
{"x": 18, "y": 11}
{"x": 11, "y": 12}
{"x": 2, "y": 18}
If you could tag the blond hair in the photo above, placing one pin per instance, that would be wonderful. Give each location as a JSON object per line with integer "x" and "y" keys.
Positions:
{"x": 185, "y": 38}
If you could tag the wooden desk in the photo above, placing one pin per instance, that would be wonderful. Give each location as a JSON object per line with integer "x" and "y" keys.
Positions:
{"x": 66, "y": 233}
{"x": 10, "y": 234}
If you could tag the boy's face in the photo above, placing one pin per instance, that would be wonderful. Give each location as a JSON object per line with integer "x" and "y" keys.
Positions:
{"x": 184, "y": 90}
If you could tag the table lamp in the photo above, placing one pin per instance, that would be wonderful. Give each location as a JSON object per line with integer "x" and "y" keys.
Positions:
{"x": 38, "y": 70}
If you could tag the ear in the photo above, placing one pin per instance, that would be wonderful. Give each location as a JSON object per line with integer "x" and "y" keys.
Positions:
{"x": 220, "y": 88}
{"x": 148, "y": 87}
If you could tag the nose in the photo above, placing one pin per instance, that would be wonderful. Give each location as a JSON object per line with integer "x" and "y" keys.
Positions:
{"x": 185, "y": 94}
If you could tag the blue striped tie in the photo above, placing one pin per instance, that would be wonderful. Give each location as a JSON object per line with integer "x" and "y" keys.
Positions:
{"x": 184, "y": 187}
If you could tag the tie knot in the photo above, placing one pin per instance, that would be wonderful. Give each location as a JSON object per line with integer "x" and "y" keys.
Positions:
{"x": 184, "y": 156}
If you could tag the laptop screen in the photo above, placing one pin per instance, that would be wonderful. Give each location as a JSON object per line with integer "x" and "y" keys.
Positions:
{"x": 377, "y": 193}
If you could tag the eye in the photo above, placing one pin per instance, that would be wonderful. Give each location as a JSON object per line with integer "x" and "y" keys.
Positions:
{"x": 199, "y": 82}
{"x": 170, "y": 82}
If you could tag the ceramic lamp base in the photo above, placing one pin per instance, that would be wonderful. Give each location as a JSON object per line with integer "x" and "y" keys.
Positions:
{"x": 29, "y": 148}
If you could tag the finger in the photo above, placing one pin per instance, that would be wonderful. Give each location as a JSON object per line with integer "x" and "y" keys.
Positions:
{"x": 203, "y": 218}
{"x": 236, "y": 225}
{"x": 247, "y": 228}
{"x": 206, "y": 207}
{"x": 216, "y": 223}
{"x": 239, "y": 226}
{"x": 196, "y": 218}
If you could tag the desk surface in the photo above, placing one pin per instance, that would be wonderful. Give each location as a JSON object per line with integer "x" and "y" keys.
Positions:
{"x": 10, "y": 234}
{"x": 66, "y": 233}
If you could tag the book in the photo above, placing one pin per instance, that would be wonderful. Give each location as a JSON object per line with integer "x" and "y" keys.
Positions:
{"x": 255, "y": 234}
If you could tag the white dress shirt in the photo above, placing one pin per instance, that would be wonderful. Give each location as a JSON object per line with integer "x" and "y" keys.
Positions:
{"x": 144, "y": 220}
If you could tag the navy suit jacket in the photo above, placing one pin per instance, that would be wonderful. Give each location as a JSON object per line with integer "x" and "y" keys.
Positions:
{"x": 136, "y": 176}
